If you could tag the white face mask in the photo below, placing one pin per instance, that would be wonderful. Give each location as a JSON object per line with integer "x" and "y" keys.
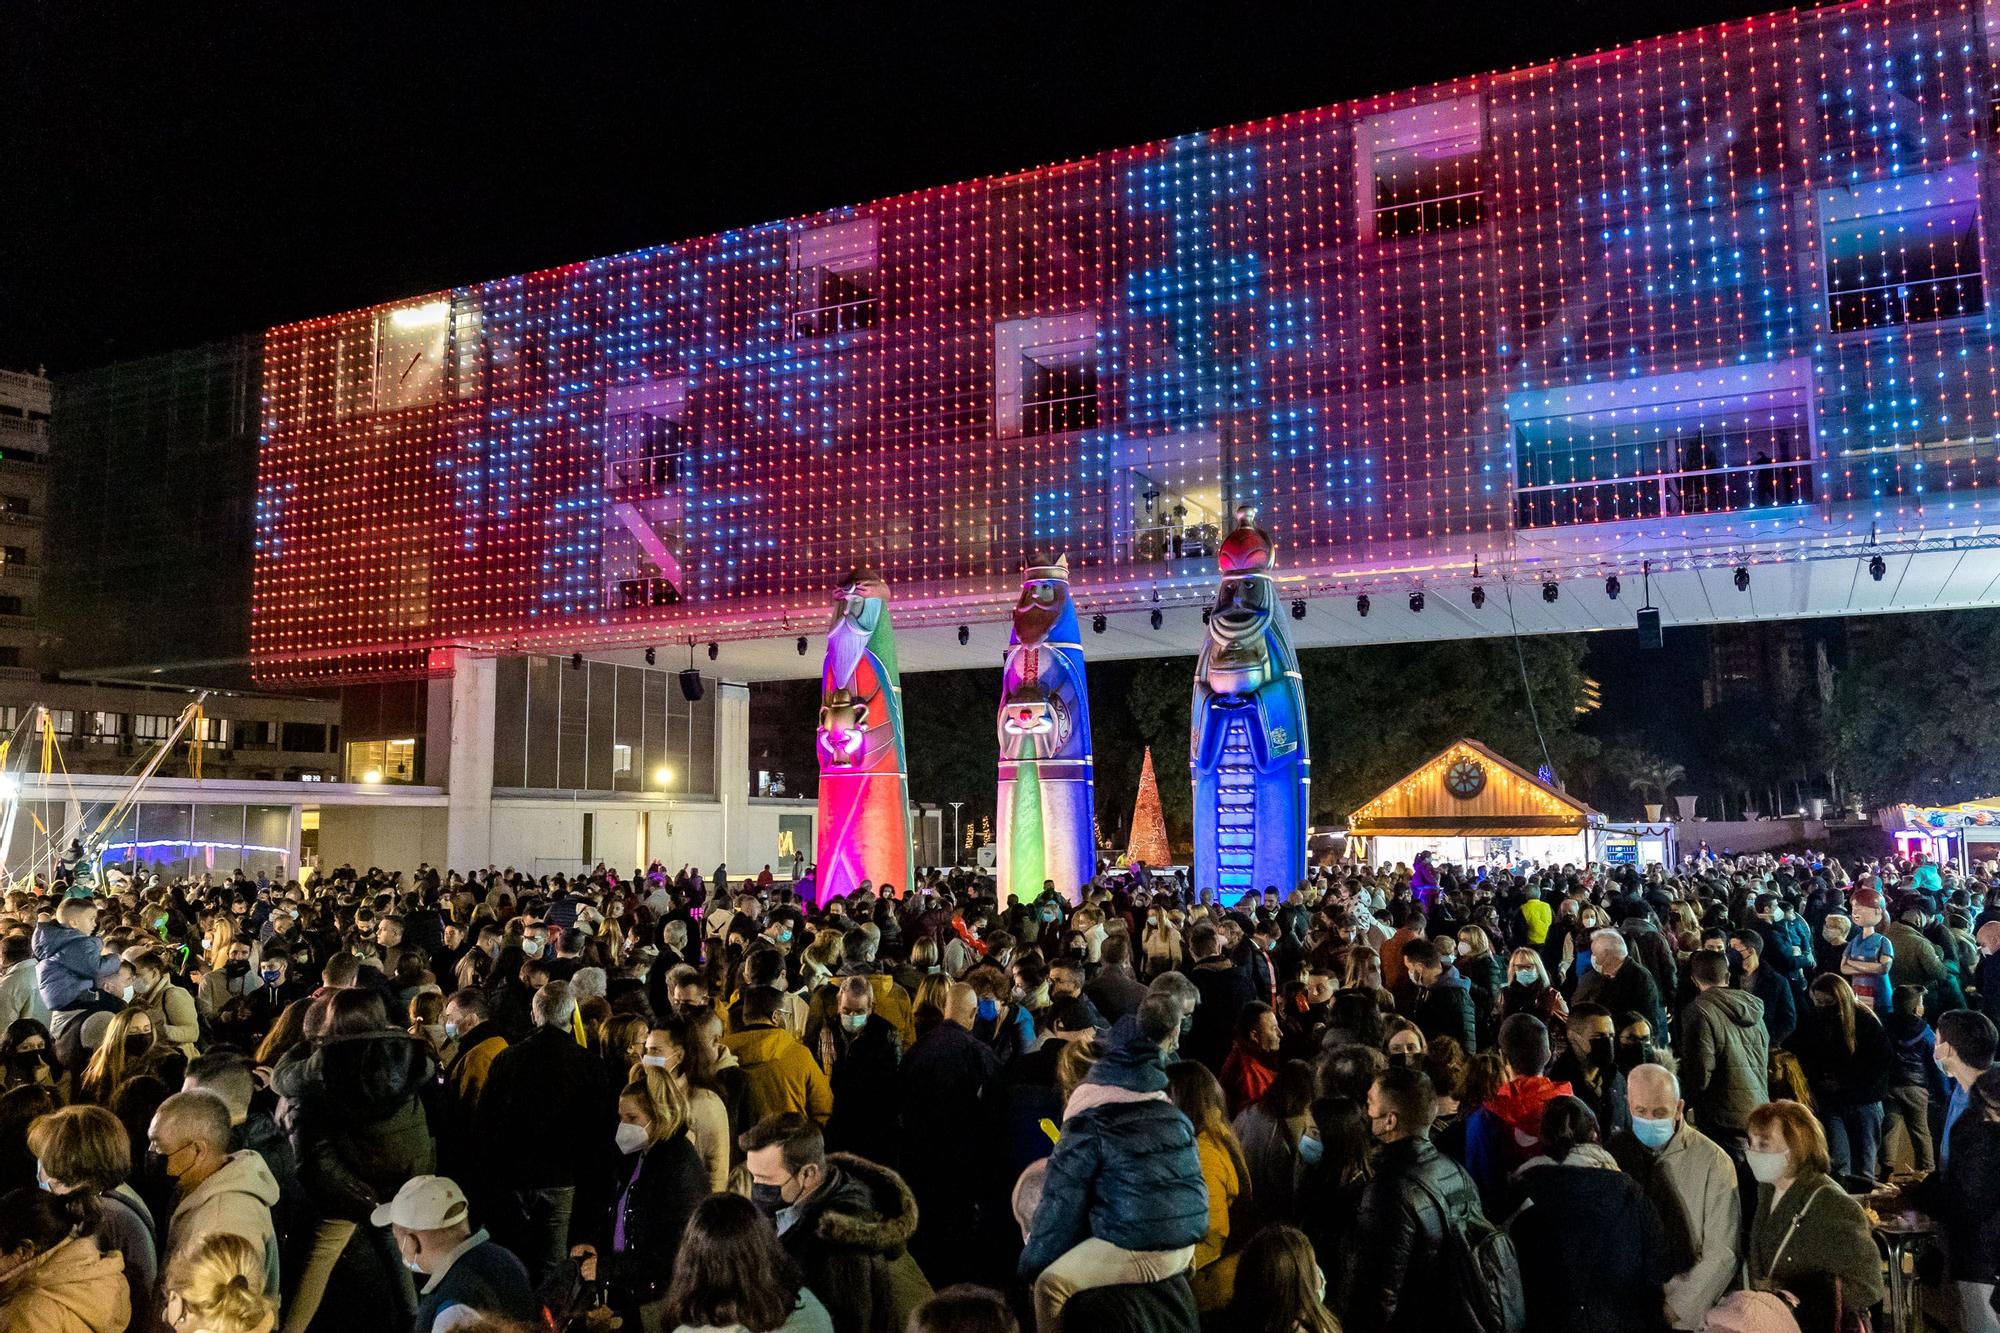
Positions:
{"x": 653, "y": 1061}
{"x": 630, "y": 1137}
{"x": 1768, "y": 1167}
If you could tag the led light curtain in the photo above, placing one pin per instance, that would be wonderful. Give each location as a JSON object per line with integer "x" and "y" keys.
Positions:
{"x": 1720, "y": 291}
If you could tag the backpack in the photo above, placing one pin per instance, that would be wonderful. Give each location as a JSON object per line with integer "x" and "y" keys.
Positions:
{"x": 1485, "y": 1270}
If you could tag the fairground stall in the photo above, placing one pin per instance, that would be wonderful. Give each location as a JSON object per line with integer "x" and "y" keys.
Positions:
{"x": 1469, "y": 806}
{"x": 1950, "y": 834}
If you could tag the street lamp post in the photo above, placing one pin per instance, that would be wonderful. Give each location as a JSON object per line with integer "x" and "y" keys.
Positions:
{"x": 956, "y": 851}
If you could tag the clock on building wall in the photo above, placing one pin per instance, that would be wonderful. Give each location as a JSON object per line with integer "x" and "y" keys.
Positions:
{"x": 1465, "y": 779}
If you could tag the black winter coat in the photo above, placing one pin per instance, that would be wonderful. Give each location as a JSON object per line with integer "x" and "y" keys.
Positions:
{"x": 357, "y": 1117}
{"x": 670, "y": 1181}
{"x": 851, "y": 1241}
{"x": 1964, "y": 1197}
{"x": 863, "y": 1078}
{"x": 1842, "y": 1079}
{"x": 547, "y": 1115}
{"x": 1225, "y": 992}
{"x": 1396, "y": 1280}
{"x": 1592, "y": 1251}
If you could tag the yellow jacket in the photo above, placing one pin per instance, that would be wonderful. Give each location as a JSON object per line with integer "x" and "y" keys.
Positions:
{"x": 779, "y": 1077}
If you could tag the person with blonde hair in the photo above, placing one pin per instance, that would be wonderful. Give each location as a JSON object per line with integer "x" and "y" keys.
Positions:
{"x": 633, "y": 1250}
{"x": 122, "y": 1052}
{"x": 216, "y": 1286}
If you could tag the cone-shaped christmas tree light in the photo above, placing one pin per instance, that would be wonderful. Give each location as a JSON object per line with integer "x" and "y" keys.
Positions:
{"x": 1149, "y": 825}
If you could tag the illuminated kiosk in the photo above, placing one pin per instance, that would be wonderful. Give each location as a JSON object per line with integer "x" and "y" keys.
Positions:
{"x": 1249, "y": 755}
{"x": 864, "y": 786}
{"x": 1046, "y": 807}
{"x": 1468, "y": 806}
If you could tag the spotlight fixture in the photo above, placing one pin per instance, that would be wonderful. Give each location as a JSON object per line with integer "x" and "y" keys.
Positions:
{"x": 651, "y": 657}
{"x": 1157, "y": 619}
{"x": 576, "y": 661}
{"x": 1361, "y": 606}
{"x": 1097, "y": 623}
{"x": 964, "y": 636}
{"x": 801, "y": 645}
{"x": 1298, "y": 608}
{"x": 1416, "y": 601}
{"x": 1742, "y": 578}
{"x": 1877, "y": 567}
{"x": 1550, "y": 591}
{"x": 713, "y": 652}
{"x": 1611, "y": 587}
{"x": 1478, "y": 596}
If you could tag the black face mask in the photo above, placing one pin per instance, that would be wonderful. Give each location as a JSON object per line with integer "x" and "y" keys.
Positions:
{"x": 1632, "y": 1054}
{"x": 1603, "y": 1052}
{"x": 136, "y": 1046}
{"x": 235, "y": 968}
{"x": 1408, "y": 1059}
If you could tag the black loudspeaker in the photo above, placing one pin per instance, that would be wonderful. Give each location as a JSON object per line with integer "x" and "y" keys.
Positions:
{"x": 691, "y": 684}
{"x": 1649, "y": 627}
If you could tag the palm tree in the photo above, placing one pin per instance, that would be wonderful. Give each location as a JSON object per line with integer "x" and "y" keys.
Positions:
{"x": 1650, "y": 774}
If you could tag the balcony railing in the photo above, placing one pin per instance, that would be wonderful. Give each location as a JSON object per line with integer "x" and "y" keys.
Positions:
{"x": 1719, "y": 490}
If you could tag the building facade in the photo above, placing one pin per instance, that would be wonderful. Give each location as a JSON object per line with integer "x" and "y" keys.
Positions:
{"x": 1716, "y": 299}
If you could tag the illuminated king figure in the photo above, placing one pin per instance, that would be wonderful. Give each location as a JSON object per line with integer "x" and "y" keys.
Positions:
{"x": 1046, "y": 830}
{"x": 864, "y": 788}
{"x": 1248, "y": 753}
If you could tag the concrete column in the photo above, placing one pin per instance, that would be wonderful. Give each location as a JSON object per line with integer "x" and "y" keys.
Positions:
{"x": 468, "y": 766}
{"x": 732, "y": 773}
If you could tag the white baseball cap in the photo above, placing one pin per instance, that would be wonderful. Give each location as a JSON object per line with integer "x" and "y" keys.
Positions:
{"x": 425, "y": 1203}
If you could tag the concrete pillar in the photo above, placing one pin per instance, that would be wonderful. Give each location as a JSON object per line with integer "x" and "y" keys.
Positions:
{"x": 468, "y": 761}
{"x": 732, "y": 773}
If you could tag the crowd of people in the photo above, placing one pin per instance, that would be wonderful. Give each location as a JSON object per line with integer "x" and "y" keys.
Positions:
{"x": 1390, "y": 1098}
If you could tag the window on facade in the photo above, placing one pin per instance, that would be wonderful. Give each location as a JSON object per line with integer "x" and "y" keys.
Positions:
{"x": 15, "y": 504}
{"x": 212, "y": 733}
{"x": 10, "y": 606}
{"x": 411, "y": 344}
{"x": 13, "y": 555}
{"x": 1420, "y": 169}
{"x": 589, "y": 837}
{"x": 1702, "y": 442}
{"x": 621, "y": 758}
{"x": 62, "y": 719}
{"x": 303, "y": 737}
{"x": 103, "y": 726}
{"x": 647, "y": 441}
{"x": 1903, "y": 251}
{"x": 10, "y": 656}
{"x": 830, "y": 273}
{"x": 1045, "y": 375}
{"x": 151, "y": 727}
{"x": 387, "y": 761}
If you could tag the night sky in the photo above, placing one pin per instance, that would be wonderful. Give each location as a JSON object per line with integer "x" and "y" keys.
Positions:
{"x": 170, "y": 179}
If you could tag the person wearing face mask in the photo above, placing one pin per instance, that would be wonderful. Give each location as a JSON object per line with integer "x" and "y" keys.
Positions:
{"x": 944, "y": 1100}
{"x": 1399, "y": 1276}
{"x": 1693, "y": 1188}
{"x": 1280, "y": 1287}
{"x": 1725, "y": 1054}
{"x": 1437, "y": 998}
{"x": 84, "y": 1150}
{"x": 464, "y": 1273}
{"x": 1529, "y": 991}
{"x": 632, "y": 1251}
{"x": 19, "y": 997}
{"x": 1808, "y": 1238}
{"x": 845, "y": 1221}
{"x": 860, "y": 1052}
{"x": 172, "y": 1009}
{"x": 53, "y": 1276}
{"x": 216, "y": 1190}
{"x": 1588, "y": 1062}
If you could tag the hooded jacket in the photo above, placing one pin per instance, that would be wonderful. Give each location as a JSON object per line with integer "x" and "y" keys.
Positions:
{"x": 358, "y": 1118}
{"x": 1445, "y": 1009}
{"x": 851, "y": 1240}
{"x": 1505, "y": 1132}
{"x": 72, "y": 1288}
{"x": 1589, "y": 1245}
{"x": 1126, "y": 1169}
{"x": 1725, "y": 1058}
{"x": 236, "y": 1199}
{"x": 67, "y": 964}
{"x": 779, "y": 1076}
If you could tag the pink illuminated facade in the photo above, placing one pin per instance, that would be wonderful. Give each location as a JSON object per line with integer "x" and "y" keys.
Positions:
{"x": 1714, "y": 298}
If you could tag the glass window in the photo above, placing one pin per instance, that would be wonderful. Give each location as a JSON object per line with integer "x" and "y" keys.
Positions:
{"x": 1903, "y": 252}
{"x": 621, "y": 759}
{"x": 1423, "y": 168}
{"x": 410, "y": 348}
{"x": 151, "y": 726}
{"x": 830, "y": 273}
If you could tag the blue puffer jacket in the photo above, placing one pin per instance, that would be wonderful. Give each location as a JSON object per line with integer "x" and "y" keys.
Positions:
{"x": 1125, "y": 1170}
{"x": 67, "y": 964}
